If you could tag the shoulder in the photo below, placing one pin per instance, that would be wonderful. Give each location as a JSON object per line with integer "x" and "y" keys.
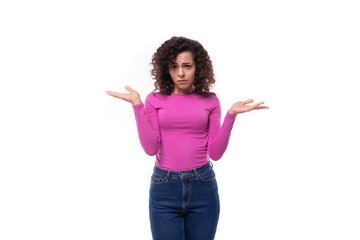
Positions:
{"x": 214, "y": 98}
{"x": 211, "y": 100}
{"x": 152, "y": 98}
{"x": 212, "y": 94}
{"x": 151, "y": 95}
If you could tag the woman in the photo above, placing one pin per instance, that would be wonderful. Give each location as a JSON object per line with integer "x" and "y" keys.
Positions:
{"x": 180, "y": 124}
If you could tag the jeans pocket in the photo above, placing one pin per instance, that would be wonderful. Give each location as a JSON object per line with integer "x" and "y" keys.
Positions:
{"x": 207, "y": 175}
{"x": 157, "y": 179}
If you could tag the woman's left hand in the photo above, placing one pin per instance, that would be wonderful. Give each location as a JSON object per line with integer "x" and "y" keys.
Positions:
{"x": 241, "y": 107}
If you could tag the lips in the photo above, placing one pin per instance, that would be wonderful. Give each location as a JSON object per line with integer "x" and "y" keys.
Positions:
{"x": 181, "y": 81}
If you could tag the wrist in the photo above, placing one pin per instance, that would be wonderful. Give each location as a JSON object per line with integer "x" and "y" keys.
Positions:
{"x": 231, "y": 112}
{"x": 136, "y": 103}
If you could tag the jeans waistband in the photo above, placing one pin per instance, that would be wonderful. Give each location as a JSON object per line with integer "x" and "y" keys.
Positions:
{"x": 181, "y": 174}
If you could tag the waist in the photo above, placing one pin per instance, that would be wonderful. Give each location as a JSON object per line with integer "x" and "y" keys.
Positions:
{"x": 180, "y": 174}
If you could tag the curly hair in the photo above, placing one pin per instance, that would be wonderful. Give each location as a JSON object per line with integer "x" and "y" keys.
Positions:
{"x": 204, "y": 74}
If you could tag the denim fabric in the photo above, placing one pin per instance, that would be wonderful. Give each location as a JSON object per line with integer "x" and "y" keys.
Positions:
{"x": 184, "y": 205}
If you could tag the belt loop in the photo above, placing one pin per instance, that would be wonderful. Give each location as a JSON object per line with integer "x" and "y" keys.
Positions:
{"x": 196, "y": 174}
{"x": 167, "y": 176}
{"x": 211, "y": 164}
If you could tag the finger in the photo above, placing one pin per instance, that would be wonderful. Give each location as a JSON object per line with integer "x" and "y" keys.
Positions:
{"x": 258, "y": 104}
{"x": 110, "y": 92}
{"x": 118, "y": 95}
{"x": 261, "y": 107}
{"x": 114, "y": 94}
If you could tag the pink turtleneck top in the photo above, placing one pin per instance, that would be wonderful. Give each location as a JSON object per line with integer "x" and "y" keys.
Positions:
{"x": 182, "y": 130}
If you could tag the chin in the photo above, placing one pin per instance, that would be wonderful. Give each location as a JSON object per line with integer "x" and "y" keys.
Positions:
{"x": 185, "y": 89}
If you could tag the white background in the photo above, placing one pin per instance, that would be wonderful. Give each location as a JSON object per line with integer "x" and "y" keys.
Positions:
{"x": 72, "y": 166}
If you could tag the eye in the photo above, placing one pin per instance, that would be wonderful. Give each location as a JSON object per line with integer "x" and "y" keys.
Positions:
{"x": 188, "y": 66}
{"x": 172, "y": 67}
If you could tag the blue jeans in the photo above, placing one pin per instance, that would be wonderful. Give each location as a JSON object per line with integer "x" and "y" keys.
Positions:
{"x": 184, "y": 205}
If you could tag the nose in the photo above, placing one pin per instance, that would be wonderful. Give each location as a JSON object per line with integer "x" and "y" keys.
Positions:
{"x": 181, "y": 72}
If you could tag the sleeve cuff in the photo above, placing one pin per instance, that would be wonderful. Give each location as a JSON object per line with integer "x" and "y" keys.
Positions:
{"x": 138, "y": 106}
{"x": 231, "y": 116}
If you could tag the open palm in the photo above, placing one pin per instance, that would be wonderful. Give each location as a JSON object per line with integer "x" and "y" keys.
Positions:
{"x": 133, "y": 97}
{"x": 240, "y": 107}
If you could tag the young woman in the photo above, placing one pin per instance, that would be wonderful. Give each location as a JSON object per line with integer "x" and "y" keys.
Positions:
{"x": 180, "y": 124}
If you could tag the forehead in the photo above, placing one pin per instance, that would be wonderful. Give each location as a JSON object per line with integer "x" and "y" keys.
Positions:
{"x": 186, "y": 56}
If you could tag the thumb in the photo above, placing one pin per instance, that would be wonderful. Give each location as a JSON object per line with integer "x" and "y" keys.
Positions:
{"x": 248, "y": 101}
{"x": 128, "y": 88}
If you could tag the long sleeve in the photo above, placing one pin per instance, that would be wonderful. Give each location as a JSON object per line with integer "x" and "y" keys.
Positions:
{"x": 219, "y": 136}
{"x": 147, "y": 126}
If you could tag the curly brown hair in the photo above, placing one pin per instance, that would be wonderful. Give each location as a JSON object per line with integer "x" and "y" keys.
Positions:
{"x": 204, "y": 74}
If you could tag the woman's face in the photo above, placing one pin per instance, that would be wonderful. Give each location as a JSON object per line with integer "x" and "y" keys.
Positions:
{"x": 182, "y": 72}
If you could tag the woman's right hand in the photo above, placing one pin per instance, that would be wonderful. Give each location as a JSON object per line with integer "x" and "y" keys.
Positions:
{"x": 133, "y": 97}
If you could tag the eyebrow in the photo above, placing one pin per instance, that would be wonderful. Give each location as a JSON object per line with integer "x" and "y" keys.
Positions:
{"x": 174, "y": 63}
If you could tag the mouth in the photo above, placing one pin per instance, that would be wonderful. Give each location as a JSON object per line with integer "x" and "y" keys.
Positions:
{"x": 181, "y": 81}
